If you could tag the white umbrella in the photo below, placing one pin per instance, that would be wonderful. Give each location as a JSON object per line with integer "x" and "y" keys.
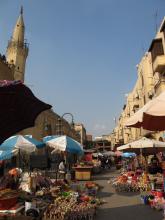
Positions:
{"x": 64, "y": 143}
{"x": 143, "y": 143}
{"x": 123, "y": 147}
{"x": 18, "y": 143}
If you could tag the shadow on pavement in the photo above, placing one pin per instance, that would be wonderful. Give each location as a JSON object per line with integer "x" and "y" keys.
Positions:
{"x": 104, "y": 194}
{"x": 136, "y": 212}
{"x": 128, "y": 194}
{"x": 99, "y": 177}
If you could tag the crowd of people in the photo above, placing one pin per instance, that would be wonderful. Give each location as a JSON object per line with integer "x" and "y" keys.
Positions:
{"x": 106, "y": 162}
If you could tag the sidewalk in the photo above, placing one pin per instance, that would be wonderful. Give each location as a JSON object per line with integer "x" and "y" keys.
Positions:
{"x": 122, "y": 206}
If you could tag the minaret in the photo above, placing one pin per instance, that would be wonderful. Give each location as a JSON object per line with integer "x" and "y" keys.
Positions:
{"x": 17, "y": 49}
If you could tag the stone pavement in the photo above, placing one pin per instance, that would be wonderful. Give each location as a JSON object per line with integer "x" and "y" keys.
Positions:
{"x": 122, "y": 206}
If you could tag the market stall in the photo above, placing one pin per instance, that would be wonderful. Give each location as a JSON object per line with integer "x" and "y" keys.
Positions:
{"x": 83, "y": 172}
{"x": 50, "y": 199}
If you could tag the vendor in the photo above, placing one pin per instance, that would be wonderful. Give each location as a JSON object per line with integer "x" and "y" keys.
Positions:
{"x": 154, "y": 160}
{"x": 62, "y": 168}
{"x": 154, "y": 166}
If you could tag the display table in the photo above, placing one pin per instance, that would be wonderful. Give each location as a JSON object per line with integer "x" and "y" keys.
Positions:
{"x": 83, "y": 172}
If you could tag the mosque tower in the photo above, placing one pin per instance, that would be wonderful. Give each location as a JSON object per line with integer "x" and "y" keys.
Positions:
{"x": 17, "y": 49}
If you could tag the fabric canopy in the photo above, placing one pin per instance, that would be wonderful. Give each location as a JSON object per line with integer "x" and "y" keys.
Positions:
{"x": 143, "y": 143}
{"x": 151, "y": 116}
{"x": 137, "y": 119}
{"x": 18, "y": 108}
{"x": 20, "y": 142}
{"x": 64, "y": 143}
{"x": 4, "y": 155}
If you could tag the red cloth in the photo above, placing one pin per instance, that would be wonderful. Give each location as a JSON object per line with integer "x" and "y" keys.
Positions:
{"x": 88, "y": 157}
{"x": 1, "y": 163}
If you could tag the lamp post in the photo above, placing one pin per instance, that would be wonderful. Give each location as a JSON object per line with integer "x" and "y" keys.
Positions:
{"x": 72, "y": 122}
{"x": 60, "y": 123}
{"x": 67, "y": 155}
{"x": 72, "y": 119}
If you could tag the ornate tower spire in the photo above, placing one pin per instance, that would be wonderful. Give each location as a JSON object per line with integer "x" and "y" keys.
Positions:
{"x": 19, "y": 29}
{"x": 17, "y": 49}
{"x": 21, "y": 11}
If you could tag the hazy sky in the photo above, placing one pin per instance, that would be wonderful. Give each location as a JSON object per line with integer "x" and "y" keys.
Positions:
{"x": 83, "y": 53}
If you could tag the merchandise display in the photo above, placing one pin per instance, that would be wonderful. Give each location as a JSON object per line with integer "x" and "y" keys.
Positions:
{"x": 50, "y": 198}
{"x": 137, "y": 182}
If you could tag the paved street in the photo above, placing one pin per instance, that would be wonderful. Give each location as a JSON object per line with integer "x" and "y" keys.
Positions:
{"x": 122, "y": 206}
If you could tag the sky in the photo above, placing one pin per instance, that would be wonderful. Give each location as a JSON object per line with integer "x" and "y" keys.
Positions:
{"x": 83, "y": 53}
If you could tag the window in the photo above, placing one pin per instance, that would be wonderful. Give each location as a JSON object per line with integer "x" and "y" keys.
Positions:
{"x": 142, "y": 80}
{"x": 163, "y": 29}
{"x": 156, "y": 49}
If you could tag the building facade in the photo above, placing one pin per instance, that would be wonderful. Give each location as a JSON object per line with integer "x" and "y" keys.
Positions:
{"x": 150, "y": 83}
{"x": 80, "y": 129}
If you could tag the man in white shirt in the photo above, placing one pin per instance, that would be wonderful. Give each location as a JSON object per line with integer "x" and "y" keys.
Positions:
{"x": 62, "y": 169}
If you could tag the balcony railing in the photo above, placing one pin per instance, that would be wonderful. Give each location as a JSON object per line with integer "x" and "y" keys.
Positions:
{"x": 159, "y": 64}
{"x": 24, "y": 45}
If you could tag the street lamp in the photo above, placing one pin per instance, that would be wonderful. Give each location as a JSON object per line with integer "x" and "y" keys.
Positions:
{"x": 60, "y": 125}
{"x": 72, "y": 122}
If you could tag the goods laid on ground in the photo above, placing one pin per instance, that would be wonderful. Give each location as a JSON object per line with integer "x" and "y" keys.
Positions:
{"x": 136, "y": 181}
{"x": 49, "y": 199}
{"x": 69, "y": 207}
{"x": 155, "y": 199}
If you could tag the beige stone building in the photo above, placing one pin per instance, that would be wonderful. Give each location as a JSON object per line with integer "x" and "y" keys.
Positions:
{"x": 80, "y": 129}
{"x": 89, "y": 137}
{"x": 6, "y": 70}
{"x": 13, "y": 68}
{"x": 150, "y": 83}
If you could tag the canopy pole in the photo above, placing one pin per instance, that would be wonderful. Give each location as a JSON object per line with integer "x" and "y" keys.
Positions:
{"x": 19, "y": 159}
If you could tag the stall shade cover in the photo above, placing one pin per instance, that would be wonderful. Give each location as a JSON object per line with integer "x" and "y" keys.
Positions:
{"x": 143, "y": 143}
{"x": 18, "y": 108}
{"x": 4, "y": 155}
{"x": 65, "y": 143}
{"x": 24, "y": 143}
{"x": 151, "y": 116}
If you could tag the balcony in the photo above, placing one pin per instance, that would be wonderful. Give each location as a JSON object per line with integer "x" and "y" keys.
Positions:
{"x": 159, "y": 64}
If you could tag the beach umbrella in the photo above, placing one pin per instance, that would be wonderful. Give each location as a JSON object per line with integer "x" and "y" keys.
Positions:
{"x": 64, "y": 143}
{"x": 18, "y": 108}
{"x": 151, "y": 116}
{"x": 23, "y": 143}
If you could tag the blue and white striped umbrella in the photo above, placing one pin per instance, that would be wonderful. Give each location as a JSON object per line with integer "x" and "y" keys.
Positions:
{"x": 64, "y": 143}
{"x": 4, "y": 155}
{"x": 25, "y": 143}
